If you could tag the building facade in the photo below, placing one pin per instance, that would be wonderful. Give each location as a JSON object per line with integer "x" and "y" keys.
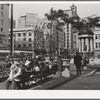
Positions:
{"x": 97, "y": 42}
{"x": 68, "y": 29}
{"x": 23, "y": 39}
{"x": 29, "y": 20}
{"x": 38, "y": 39}
{"x": 4, "y": 25}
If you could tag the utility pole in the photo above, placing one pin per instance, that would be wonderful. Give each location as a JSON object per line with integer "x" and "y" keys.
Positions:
{"x": 11, "y": 34}
{"x": 57, "y": 41}
{"x": 51, "y": 31}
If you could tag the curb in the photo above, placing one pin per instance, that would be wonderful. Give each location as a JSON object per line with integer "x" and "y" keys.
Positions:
{"x": 94, "y": 67}
{"x": 92, "y": 72}
{"x": 55, "y": 83}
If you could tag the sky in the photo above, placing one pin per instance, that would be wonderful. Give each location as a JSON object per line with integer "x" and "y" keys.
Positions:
{"x": 84, "y": 9}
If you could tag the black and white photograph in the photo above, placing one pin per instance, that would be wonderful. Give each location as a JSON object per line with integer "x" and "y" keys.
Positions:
{"x": 49, "y": 45}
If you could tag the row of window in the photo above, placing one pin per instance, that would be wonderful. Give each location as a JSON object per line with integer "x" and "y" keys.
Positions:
{"x": 97, "y": 45}
{"x": 24, "y": 39}
{"x": 24, "y": 45}
{"x": 97, "y": 36}
{"x": 24, "y": 34}
{"x": 30, "y": 40}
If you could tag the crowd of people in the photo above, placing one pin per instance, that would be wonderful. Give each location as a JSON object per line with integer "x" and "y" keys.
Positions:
{"x": 26, "y": 68}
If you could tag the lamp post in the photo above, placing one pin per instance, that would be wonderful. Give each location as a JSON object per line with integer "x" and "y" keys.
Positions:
{"x": 11, "y": 34}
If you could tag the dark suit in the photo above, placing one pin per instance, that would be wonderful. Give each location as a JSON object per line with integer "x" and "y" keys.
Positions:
{"x": 77, "y": 62}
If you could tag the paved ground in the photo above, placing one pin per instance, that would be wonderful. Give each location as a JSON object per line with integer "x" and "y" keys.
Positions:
{"x": 88, "y": 82}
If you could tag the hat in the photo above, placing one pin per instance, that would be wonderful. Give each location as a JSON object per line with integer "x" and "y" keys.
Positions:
{"x": 27, "y": 63}
{"x": 16, "y": 62}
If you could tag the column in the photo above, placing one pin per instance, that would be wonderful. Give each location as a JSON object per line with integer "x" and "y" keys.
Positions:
{"x": 79, "y": 45}
{"x": 84, "y": 45}
{"x": 93, "y": 44}
{"x": 82, "y": 41}
{"x": 89, "y": 44}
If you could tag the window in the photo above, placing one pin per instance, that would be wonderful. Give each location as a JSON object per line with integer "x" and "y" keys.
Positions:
{"x": 1, "y": 29}
{"x": 29, "y": 33}
{"x": 99, "y": 44}
{"x": 2, "y": 22}
{"x": 24, "y": 45}
{"x": 2, "y": 14}
{"x": 1, "y": 6}
{"x": 9, "y": 35}
{"x": 19, "y": 45}
{"x": 74, "y": 42}
{"x": 19, "y": 34}
{"x": 24, "y": 39}
{"x": 96, "y": 36}
{"x": 74, "y": 37}
{"x": 9, "y": 40}
{"x": 96, "y": 45}
{"x": 30, "y": 40}
{"x": 30, "y": 45}
{"x": 24, "y": 34}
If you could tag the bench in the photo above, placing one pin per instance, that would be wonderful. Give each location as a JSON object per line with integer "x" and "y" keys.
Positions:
{"x": 28, "y": 77}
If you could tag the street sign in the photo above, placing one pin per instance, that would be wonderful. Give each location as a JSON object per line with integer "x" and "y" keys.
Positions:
{"x": 49, "y": 25}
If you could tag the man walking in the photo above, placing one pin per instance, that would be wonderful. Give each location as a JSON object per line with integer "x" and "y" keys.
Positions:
{"x": 78, "y": 63}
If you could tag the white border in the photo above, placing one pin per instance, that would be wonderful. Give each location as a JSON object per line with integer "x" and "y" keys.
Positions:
{"x": 51, "y": 2}
{"x": 50, "y": 94}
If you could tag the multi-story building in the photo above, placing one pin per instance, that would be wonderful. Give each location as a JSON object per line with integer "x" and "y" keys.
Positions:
{"x": 75, "y": 39}
{"x": 29, "y": 20}
{"x": 38, "y": 39}
{"x": 97, "y": 42}
{"x": 4, "y": 25}
{"x": 23, "y": 38}
{"x": 68, "y": 30}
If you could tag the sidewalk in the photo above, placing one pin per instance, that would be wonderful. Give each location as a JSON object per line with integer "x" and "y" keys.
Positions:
{"x": 61, "y": 80}
{"x": 96, "y": 66}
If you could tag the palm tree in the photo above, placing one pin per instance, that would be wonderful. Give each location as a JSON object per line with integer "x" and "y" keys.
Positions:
{"x": 54, "y": 16}
{"x": 74, "y": 21}
{"x": 94, "y": 22}
{"x": 51, "y": 17}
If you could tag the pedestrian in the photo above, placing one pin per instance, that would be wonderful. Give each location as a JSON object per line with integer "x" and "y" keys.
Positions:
{"x": 78, "y": 63}
{"x": 15, "y": 71}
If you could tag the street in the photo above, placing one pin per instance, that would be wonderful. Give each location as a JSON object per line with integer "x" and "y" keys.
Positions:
{"x": 88, "y": 82}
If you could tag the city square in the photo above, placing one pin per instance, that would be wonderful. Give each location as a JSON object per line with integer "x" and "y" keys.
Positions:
{"x": 42, "y": 40}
